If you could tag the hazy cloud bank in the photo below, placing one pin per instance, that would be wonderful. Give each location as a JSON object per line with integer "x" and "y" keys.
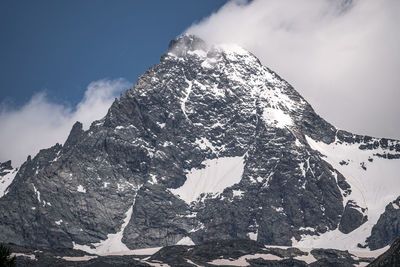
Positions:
{"x": 41, "y": 123}
{"x": 341, "y": 55}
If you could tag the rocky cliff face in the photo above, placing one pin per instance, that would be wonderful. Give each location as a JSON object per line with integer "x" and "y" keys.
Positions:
{"x": 390, "y": 258}
{"x": 387, "y": 229}
{"x": 7, "y": 174}
{"x": 208, "y": 145}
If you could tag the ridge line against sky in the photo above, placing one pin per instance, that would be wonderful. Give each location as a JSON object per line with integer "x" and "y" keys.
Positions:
{"x": 341, "y": 55}
{"x": 61, "y": 61}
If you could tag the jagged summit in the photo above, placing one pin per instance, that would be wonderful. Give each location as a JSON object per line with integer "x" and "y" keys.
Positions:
{"x": 208, "y": 145}
{"x": 186, "y": 43}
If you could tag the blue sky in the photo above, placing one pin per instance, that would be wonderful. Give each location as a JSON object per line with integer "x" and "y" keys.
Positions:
{"x": 61, "y": 46}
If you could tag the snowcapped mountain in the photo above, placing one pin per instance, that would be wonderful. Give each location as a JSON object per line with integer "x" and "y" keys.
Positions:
{"x": 208, "y": 145}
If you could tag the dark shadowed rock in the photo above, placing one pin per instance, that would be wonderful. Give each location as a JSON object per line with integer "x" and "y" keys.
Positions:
{"x": 353, "y": 216}
{"x": 390, "y": 258}
{"x": 387, "y": 229}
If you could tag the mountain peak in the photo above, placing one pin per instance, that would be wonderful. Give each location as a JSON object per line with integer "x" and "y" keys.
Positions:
{"x": 184, "y": 43}
{"x": 187, "y": 44}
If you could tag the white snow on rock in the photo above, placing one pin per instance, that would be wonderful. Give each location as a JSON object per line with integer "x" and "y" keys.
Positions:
{"x": 277, "y": 117}
{"x": 30, "y": 256}
{"x": 217, "y": 175}
{"x": 82, "y": 258}
{"x": 309, "y": 258}
{"x": 187, "y": 241}
{"x": 237, "y": 193}
{"x": 253, "y": 236}
{"x": 303, "y": 171}
{"x": 81, "y": 189}
{"x": 161, "y": 125}
{"x": 113, "y": 243}
{"x": 6, "y": 180}
{"x": 205, "y": 144}
{"x": 242, "y": 261}
{"x": 372, "y": 188}
{"x": 37, "y": 193}
{"x": 139, "y": 252}
{"x": 186, "y": 97}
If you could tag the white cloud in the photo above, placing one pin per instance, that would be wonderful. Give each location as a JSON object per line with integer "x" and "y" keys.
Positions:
{"x": 41, "y": 123}
{"x": 341, "y": 55}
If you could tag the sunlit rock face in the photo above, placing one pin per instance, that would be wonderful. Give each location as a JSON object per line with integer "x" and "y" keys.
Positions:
{"x": 209, "y": 144}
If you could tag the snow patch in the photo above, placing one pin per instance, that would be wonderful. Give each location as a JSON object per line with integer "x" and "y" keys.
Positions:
{"x": 237, "y": 193}
{"x": 297, "y": 143}
{"x": 37, "y": 193}
{"x": 277, "y": 117}
{"x": 242, "y": 261}
{"x": 30, "y": 256}
{"x": 205, "y": 144}
{"x": 185, "y": 99}
{"x": 161, "y": 125}
{"x": 253, "y": 236}
{"x": 303, "y": 171}
{"x": 81, "y": 189}
{"x": 309, "y": 258}
{"x": 217, "y": 175}
{"x": 278, "y": 209}
{"x": 82, "y": 258}
{"x": 307, "y": 229}
{"x": 5, "y": 182}
{"x": 186, "y": 241}
{"x": 153, "y": 179}
{"x": 372, "y": 189}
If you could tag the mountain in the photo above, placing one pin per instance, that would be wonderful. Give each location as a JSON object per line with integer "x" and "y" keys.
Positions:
{"x": 208, "y": 145}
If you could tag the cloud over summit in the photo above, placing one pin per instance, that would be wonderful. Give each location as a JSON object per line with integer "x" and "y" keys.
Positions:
{"x": 341, "y": 55}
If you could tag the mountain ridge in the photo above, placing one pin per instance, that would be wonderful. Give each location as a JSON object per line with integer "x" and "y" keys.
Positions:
{"x": 114, "y": 185}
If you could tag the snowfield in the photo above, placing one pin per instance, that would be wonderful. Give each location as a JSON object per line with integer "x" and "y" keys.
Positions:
{"x": 217, "y": 175}
{"x": 374, "y": 181}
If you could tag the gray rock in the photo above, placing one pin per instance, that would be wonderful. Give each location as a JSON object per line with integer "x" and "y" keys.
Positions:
{"x": 387, "y": 229}
{"x": 353, "y": 216}
{"x": 390, "y": 258}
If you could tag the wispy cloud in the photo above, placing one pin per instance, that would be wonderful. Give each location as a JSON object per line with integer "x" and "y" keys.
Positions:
{"x": 341, "y": 55}
{"x": 41, "y": 123}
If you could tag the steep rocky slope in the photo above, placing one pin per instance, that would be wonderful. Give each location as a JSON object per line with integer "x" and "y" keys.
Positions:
{"x": 208, "y": 145}
{"x": 390, "y": 258}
